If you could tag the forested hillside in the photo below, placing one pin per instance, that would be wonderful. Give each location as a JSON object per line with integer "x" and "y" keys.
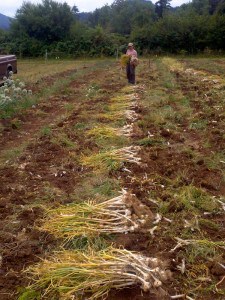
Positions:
{"x": 4, "y": 22}
{"x": 158, "y": 28}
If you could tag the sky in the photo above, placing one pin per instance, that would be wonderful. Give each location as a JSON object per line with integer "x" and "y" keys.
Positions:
{"x": 9, "y": 7}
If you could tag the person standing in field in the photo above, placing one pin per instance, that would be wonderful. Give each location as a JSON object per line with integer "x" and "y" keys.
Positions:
{"x": 130, "y": 68}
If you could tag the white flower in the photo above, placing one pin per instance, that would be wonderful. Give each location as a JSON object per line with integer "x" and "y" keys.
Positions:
{"x": 21, "y": 85}
{"x": 8, "y": 99}
{"x": 17, "y": 90}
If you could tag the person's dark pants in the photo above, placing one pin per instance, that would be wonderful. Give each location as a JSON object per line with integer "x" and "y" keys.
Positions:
{"x": 131, "y": 73}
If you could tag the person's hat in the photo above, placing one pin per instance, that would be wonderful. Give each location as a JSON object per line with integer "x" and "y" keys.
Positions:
{"x": 130, "y": 45}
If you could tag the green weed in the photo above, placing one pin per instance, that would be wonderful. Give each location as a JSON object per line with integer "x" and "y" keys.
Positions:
{"x": 108, "y": 187}
{"x": 80, "y": 126}
{"x": 29, "y": 294}
{"x": 205, "y": 223}
{"x": 92, "y": 90}
{"x": 69, "y": 107}
{"x": 84, "y": 243}
{"x": 150, "y": 142}
{"x": 13, "y": 154}
{"x": 63, "y": 140}
{"x": 203, "y": 249}
{"x": 192, "y": 199}
{"x": 216, "y": 160}
{"x": 46, "y": 131}
{"x": 198, "y": 124}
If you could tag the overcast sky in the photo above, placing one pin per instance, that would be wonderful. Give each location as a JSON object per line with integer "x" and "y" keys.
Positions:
{"x": 9, "y": 7}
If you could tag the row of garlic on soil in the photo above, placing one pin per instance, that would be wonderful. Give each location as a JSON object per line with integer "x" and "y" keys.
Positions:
{"x": 202, "y": 76}
{"x": 215, "y": 84}
{"x": 72, "y": 274}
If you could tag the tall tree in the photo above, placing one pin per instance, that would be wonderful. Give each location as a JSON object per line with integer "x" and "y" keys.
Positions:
{"x": 161, "y": 7}
{"x": 201, "y": 6}
{"x": 49, "y": 21}
{"x": 220, "y": 9}
{"x": 213, "y": 4}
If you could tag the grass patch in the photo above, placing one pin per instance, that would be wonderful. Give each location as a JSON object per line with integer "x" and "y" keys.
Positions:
{"x": 32, "y": 70}
{"x": 202, "y": 249}
{"x": 63, "y": 140}
{"x": 107, "y": 187}
{"x": 69, "y": 107}
{"x": 150, "y": 142}
{"x": 198, "y": 124}
{"x": 29, "y": 294}
{"x": 12, "y": 154}
{"x": 192, "y": 199}
{"x": 93, "y": 186}
{"x": 208, "y": 224}
{"x": 216, "y": 160}
{"x": 93, "y": 90}
{"x": 83, "y": 243}
{"x": 46, "y": 131}
{"x": 58, "y": 86}
{"x": 80, "y": 126}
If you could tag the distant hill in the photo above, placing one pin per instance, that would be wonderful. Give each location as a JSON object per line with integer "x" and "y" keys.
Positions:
{"x": 4, "y": 22}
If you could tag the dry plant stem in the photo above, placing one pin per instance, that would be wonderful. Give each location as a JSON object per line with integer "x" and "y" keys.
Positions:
{"x": 131, "y": 115}
{"x": 73, "y": 273}
{"x": 123, "y": 105}
{"x": 106, "y": 132}
{"x": 222, "y": 204}
{"x": 126, "y": 154}
{"x": 116, "y": 215}
{"x": 127, "y": 130}
{"x": 183, "y": 296}
{"x": 182, "y": 243}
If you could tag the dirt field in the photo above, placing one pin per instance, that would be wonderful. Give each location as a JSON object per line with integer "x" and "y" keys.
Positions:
{"x": 176, "y": 121}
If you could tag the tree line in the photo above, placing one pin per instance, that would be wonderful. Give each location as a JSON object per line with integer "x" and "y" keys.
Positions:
{"x": 61, "y": 30}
